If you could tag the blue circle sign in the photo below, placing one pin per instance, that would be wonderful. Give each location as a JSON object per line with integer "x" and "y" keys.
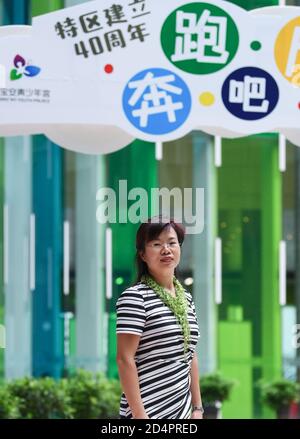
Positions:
{"x": 156, "y": 101}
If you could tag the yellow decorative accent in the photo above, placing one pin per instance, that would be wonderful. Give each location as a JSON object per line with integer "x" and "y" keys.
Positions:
{"x": 207, "y": 99}
{"x": 287, "y": 51}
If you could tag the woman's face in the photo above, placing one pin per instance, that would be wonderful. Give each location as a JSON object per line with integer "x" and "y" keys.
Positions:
{"x": 162, "y": 255}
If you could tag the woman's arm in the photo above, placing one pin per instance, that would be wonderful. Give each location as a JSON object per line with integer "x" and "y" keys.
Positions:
{"x": 127, "y": 346}
{"x": 195, "y": 385}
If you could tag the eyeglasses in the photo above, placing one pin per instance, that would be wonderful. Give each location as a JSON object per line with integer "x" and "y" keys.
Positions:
{"x": 159, "y": 246}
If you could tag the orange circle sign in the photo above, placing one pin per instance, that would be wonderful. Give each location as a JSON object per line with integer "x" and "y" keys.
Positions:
{"x": 287, "y": 51}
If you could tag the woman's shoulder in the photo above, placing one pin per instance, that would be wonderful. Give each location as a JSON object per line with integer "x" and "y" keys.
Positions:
{"x": 135, "y": 291}
{"x": 137, "y": 287}
{"x": 188, "y": 296}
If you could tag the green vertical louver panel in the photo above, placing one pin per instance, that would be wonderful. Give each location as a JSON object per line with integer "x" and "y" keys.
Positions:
{"x": 48, "y": 209}
{"x": 250, "y": 228}
{"x": 271, "y": 235}
{"x": 136, "y": 165}
{"x": 254, "y": 4}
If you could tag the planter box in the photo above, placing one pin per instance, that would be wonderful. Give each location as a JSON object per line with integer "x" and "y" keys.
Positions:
{"x": 213, "y": 410}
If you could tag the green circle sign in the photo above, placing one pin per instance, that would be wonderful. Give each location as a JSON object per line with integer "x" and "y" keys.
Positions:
{"x": 199, "y": 38}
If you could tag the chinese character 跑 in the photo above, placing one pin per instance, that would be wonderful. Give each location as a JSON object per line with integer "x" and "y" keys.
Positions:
{"x": 21, "y": 92}
{"x": 114, "y": 15}
{"x": 114, "y": 39}
{"x": 241, "y": 92}
{"x": 197, "y": 36}
{"x": 155, "y": 101}
{"x": 138, "y": 8}
{"x": 90, "y": 22}
{"x": 68, "y": 27}
{"x": 137, "y": 32}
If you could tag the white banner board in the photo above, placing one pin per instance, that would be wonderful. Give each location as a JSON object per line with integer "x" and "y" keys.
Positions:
{"x": 95, "y": 76}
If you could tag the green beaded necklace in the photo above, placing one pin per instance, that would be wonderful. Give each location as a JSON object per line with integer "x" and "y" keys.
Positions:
{"x": 178, "y": 305}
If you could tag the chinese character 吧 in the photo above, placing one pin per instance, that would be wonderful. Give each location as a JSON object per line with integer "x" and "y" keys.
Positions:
{"x": 242, "y": 92}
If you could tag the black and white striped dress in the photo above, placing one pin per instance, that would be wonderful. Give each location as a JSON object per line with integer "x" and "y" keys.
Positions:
{"x": 164, "y": 373}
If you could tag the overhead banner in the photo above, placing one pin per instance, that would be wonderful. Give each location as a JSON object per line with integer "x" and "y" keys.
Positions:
{"x": 95, "y": 76}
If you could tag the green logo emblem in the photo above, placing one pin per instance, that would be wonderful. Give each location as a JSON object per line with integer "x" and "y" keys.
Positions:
{"x": 199, "y": 38}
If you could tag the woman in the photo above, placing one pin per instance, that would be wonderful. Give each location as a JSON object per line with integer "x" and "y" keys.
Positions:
{"x": 157, "y": 332}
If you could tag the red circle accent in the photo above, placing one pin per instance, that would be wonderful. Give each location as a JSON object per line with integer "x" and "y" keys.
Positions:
{"x": 299, "y": 105}
{"x": 108, "y": 68}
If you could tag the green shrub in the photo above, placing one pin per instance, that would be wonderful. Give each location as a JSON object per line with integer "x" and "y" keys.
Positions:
{"x": 9, "y": 405}
{"x": 279, "y": 393}
{"x": 40, "y": 398}
{"x": 214, "y": 387}
{"x": 84, "y": 396}
{"x": 93, "y": 396}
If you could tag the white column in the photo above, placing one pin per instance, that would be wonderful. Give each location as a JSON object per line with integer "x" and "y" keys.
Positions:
{"x": 204, "y": 176}
{"x": 91, "y": 325}
{"x": 91, "y": 336}
{"x": 17, "y": 239}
